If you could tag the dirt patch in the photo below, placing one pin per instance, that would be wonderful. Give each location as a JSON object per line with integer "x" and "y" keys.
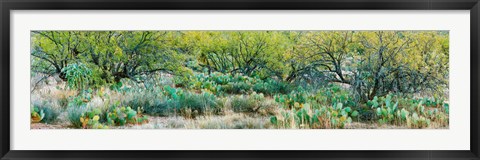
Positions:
{"x": 49, "y": 126}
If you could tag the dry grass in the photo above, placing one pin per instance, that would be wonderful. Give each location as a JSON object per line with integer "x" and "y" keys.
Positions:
{"x": 227, "y": 121}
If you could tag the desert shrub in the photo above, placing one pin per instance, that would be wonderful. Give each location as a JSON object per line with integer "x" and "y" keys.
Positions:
{"x": 193, "y": 104}
{"x": 74, "y": 115}
{"x": 62, "y": 96}
{"x": 260, "y": 88}
{"x": 267, "y": 107}
{"x": 152, "y": 101}
{"x": 333, "y": 93}
{"x": 220, "y": 79}
{"x": 116, "y": 86}
{"x": 125, "y": 115}
{"x": 75, "y": 108}
{"x": 335, "y": 116}
{"x": 219, "y": 84}
{"x": 271, "y": 87}
{"x": 63, "y": 101}
{"x": 77, "y": 101}
{"x": 91, "y": 119}
{"x": 169, "y": 101}
{"x": 227, "y": 88}
{"x": 78, "y": 75}
{"x": 181, "y": 81}
{"x": 416, "y": 121}
{"x": 160, "y": 107}
{"x": 294, "y": 99}
{"x": 236, "y": 88}
{"x": 254, "y": 103}
{"x": 240, "y": 87}
{"x": 45, "y": 111}
{"x": 103, "y": 104}
{"x": 51, "y": 113}
{"x": 244, "y": 103}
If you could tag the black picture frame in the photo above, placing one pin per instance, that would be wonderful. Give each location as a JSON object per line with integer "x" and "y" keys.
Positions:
{"x": 9, "y": 5}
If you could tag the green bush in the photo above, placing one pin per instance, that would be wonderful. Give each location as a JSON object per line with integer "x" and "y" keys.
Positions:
{"x": 219, "y": 83}
{"x": 192, "y": 104}
{"x": 91, "y": 119}
{"x": 240, "y": 88}
{"x": 51, "y": 114}
{"x": 271, "y": 87}
{"x": 44, "y": 112}
{"x": 254, "y": 103}
{"x": 244, "y": 104}
{"x": 153, "y": 101}
{"x": 125, "y": 115}
{"x": 78, "y": 76}
{"x": 334, "y": 116}
{"x": 169, "y": 101}
{"x": 294, "y": 99}
{"x": 220, "y": 79}
{"x": 386, "y": 112}
{"x": 74, "y": 115}
{"x": 161, "y": 106}
{"x": 409, "y": 112}
{"x": 181, "y": 81}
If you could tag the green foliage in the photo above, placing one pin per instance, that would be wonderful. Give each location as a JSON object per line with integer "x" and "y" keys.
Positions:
{"x": 74, "y": 115}
{"x": 155, "y": 101}
{"x": 181, "y": 81}
{"x": 111, "y": 55}
{"x": 78, "y": 76}
{"x": 295, "y": 99}
{"x": 94, "y": 118}
{"x": 237, "y": 88}
{"x": 221, "y": 84}
{"x": 125, "y": 115}
{"x": 405, "y": 70}
{"x": 169, "y": 100}
{"x": 387, "y": 112}
{"x": 325, "y": 117}
{"x": 317, "y": 79}
{"x": 373, "y": 103}
{"x": 354, "y": 114}
{"x": 91, "y": 119}
{"x": 192, "y": 105}
{"x": 47, "y": 113}
{"x": 445, "y": 106}
{"x": 80, "y": 100}
{"x": 254, "y": 103}
{"x": 412, "y": 113}
{"x": 116, "y": 86}
{"x": 317, "y": 57}
{"x": 335, "y": 94}
{"x": 419, "y": 121}
{"x": 404, "y": 114}
{"x": 271, "y": 87}
{"x": 244, "y": 104}
{"x": 36, "y": 115}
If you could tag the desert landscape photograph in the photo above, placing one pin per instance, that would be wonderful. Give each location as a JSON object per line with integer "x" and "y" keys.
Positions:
{"x": 266, "y": 79}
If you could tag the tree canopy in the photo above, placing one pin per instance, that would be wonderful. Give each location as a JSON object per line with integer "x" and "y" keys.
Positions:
{"x": 373, "y": 63}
